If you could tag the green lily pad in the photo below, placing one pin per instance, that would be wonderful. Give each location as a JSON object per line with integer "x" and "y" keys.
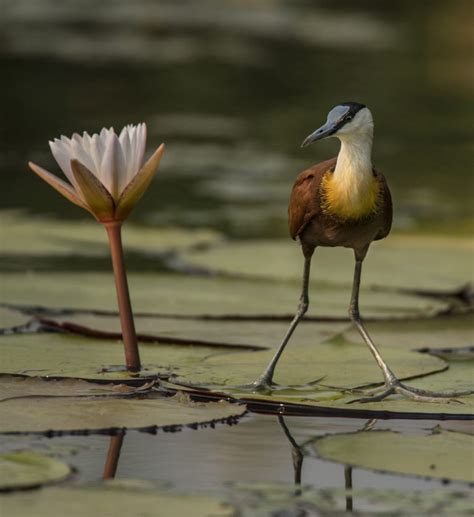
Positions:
{"x": 135, "y": 498}
{"x": 28, "y": 469}
{"x": 11, "y": 318}
{"x": 65, "y": 355}
{"x": 346, "y": 370}
{"x": 237, "y": 333}
{"x": 18, "y": 387}
{"x": 445, "y": 332}
{"x": 131, "y": 499}
{"x": 262, "y": 500}
{"x": 35, "y": 236}
{"x": 343, "y": 367}
{"x": 439, "y": 455}
{"x": 30, "y": 410}
{"x": 457, "y": 377}
{"x": 403, "y": 261}
{"x": 173, "y": 294}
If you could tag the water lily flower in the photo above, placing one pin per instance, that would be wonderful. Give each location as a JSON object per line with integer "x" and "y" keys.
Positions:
{"x": 106, "y": 172}
{"x": 107, "y": 176}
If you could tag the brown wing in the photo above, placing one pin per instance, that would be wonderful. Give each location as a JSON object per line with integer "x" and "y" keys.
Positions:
{"x": 304, "y": 202}
{"x": 387, "y": 208}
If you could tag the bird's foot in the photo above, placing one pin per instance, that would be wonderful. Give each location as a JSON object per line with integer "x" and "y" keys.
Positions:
{"x": 396, "y": 387}
{"x": 263, "y": 386}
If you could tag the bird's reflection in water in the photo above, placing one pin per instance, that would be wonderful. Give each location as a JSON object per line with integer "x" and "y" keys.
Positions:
{"x": 113, "y": 456}
{"x": 297, "y": 454}
{"x": 298, "y": 457}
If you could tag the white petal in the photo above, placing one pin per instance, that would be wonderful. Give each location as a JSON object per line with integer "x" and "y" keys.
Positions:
{"x": 113, "y": 167}
{"x": 125, "y": 144}
{"x": 107, "y": 163}
{"x": 97, "y": 150}
{"x": 141, "y": 143}
{"x": 81, "y": 152}
{"x": 62, "y": 153}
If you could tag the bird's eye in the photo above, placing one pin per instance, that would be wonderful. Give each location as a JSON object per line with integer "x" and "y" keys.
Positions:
{"x": 349, "y": 117}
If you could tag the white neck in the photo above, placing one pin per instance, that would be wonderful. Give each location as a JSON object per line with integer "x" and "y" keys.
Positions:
{"x": 354, "y": 164}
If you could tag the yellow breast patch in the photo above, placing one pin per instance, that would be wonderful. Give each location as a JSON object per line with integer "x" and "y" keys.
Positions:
{"x": 349, "y": 201}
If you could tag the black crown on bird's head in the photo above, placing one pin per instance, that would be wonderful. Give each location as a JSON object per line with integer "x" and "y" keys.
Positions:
{"x": 354, "y": 107}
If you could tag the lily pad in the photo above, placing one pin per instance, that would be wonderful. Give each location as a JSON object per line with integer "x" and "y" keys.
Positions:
{"x": 10, "y": 318}
{"x": 439, "y": 455}
{"x": 64, "y": 355}
{"x": 328, "y": 395}
{"x": 135, "y": 498}
{"x": 344, "y": 367}
{"x": 28, "y": 469}
{"x": 17, "y": 387}
{"x": 403, "y": 261}
{"x": 38, "y": 413}
{"x": 174, "y": 294}
{"x": 446, "y": 332}
{"x": 131, "y": 499}
{"x": 260, "y": 335}
{"x": 36, "y": 236}
{"x": 261, "y": 500}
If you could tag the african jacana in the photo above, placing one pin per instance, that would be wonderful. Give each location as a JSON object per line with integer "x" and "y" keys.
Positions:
{"x": 343, "y": 202}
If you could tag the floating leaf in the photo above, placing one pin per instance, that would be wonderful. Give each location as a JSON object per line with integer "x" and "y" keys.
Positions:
{"x": 130, "y": 499}
{"x": 262, "y": 500}
{"x": 28, "y": 469}
{"x": 344, "y": 366}
{"x": 224, "y": 333}
{"x": 451, "y": 331}
{"x": 10, "y": 318}
{"x": 66, "y": 412}
{"x": 135, "y": 498}
{"x": 173, "y": 294}
{"x": 399, "y": 261}
{"x": 439, "y": 455}
{"x": 64, "y": 355}
{"x": 16, "y": 387}
{"x": 35, "y": 237}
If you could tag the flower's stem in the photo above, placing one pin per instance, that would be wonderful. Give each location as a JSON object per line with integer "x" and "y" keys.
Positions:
{"x": 132, "y": 357}
{"x": 113, "y": 456}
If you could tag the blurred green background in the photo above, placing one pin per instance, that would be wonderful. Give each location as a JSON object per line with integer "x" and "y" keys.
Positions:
{"x": 232, "y": 88}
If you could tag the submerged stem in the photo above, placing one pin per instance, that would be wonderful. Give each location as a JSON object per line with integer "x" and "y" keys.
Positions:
{"x": 132, "y": 357}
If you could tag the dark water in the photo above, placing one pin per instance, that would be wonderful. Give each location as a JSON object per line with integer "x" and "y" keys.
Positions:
{"x": 233, "y": 88}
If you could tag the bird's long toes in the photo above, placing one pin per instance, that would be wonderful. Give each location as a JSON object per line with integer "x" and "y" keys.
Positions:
{"x": 373, "y": 398}
{"x": 427, "y": 396}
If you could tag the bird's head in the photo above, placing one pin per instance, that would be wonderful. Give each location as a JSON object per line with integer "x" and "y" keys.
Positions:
{"x": 348, "y": 120}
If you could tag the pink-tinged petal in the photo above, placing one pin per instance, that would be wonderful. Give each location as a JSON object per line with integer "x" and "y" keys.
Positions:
{"x": 61, "y": 186}
{"x": 138, "y": 185}
{"x": 93, "y": 192}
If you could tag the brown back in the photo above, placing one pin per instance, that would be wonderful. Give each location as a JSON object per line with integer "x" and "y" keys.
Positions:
{"x": 304, "y": 202}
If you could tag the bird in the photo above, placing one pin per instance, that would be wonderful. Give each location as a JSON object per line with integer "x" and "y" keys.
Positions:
{"x": 344, "y": 201}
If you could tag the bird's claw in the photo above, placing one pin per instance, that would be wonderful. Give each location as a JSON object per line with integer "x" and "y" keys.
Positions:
{"x": 419, "y": 395}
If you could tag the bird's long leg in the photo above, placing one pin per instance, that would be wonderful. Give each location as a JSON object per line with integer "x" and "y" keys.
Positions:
{"x": 265, "y": 381}
{"x": 392, "y": 384}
